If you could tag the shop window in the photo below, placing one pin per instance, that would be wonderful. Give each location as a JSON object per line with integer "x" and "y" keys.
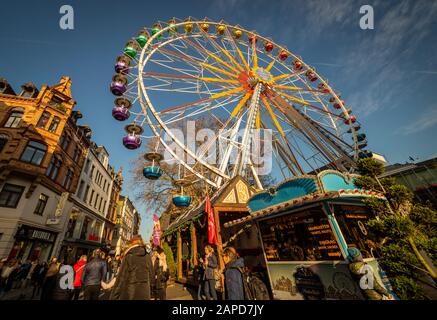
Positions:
{"x": 352, "y": 221}
{"x": 34, "y": 152}
{"x": 14, "y": 119}
{"x": 304, "y": 236}
{"x": 41, "y": 205}
{"x": 54, "y": 124}
{"x": 10, "y": 195}
{"x": 43, "y": 120}
{"x": 53, "y": 168}
{"x": 68, "y": 179}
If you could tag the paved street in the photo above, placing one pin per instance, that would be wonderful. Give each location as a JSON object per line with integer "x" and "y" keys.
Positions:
{"x": 174, "y": 292}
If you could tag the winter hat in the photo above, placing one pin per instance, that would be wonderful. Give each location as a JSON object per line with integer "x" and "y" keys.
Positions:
{"x": 354, "y": 254}
{"x": 136, "y": 239}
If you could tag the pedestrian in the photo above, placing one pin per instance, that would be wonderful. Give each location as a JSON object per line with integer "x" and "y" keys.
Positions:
{"x": 50, "y": 278}
{"x": 60, "y": 291}
{"x": 22, "y": 274}
{"x": 234, "y": 268}
{"x": 210, "y": 266}
{"x": 199, "y": 272}
{"x": 93, "y": 275}
{"x": 28, "y": 279}
{"x": 115, "y": 265}
{"x": 78, "y": 270}
{"x": 38, "y": 276}
{"x": 161, "y": 274}
{"x": 6, "y": 276}
{"x": 135, "y": 274}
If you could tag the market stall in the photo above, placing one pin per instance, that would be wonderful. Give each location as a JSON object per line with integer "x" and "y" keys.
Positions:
{"x": 306, "y": 225}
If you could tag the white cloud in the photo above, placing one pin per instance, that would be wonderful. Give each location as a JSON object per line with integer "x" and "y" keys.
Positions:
{"x": 424, "y": 122}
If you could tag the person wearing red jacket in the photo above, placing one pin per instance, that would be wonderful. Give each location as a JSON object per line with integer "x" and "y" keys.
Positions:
{"x": 78, "y": 269}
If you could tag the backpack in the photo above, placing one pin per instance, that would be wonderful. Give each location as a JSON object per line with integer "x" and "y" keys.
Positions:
{"x": 254, "y": 287}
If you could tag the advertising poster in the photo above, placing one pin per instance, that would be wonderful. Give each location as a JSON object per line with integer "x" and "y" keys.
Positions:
{"x": 316, "y": 281}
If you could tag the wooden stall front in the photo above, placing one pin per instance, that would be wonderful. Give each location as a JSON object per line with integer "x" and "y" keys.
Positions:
{"x": 187, "y": 235}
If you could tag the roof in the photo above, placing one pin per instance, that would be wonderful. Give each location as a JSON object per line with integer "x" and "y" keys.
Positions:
{"x": 304, "y": 200}
{"x": 216, "y": 198}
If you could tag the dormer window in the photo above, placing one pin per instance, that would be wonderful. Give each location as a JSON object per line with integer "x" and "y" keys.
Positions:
{"x": 55, "y": 102}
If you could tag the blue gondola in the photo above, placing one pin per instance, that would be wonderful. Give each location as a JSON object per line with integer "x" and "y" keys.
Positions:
{"x": 361, "y": 137}
{"x": 181, "y": 201}
{"x": 152, "y": 172}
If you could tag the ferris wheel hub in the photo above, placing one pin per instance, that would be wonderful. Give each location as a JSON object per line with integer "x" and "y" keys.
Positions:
{"x": 262, "y": 75}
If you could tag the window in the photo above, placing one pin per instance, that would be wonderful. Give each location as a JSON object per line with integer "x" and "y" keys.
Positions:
{"x": 87, "y": 166}
{"x": 100, "y": 204}
{"x": 34, "y": 152}
{"x": 41, "y": 205}
{"x": 10, "y": 195}
{"x": 54, "y": 124}
{"x": 92, "y": 171}
{"x": 86, "y": 193}
{"x": 3, "y": 141}
{"x": 300, "y": 237}
{"x": 65, "y": 141}
{"x": 68, "y": 179}
{"x": 76, "y": 154}
{"x": 43, "y": 120}
{"x": 352, "y": 221}
{"x": 14, "y": 119}
{"x": 53, "y": 169}
{"x": 91, "y": 198}
{"x": 95, "y": 201}
{"x": 80, "y": 189}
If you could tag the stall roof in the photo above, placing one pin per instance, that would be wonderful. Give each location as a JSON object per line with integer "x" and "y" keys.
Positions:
{"x": 226, "y": 195}
{"x": 304, "y": 200}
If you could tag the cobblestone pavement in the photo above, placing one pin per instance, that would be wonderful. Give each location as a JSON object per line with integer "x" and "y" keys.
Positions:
{"x": 175, "y": 291}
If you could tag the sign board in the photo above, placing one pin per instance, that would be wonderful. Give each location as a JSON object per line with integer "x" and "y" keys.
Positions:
{"x": 61, "y": 204}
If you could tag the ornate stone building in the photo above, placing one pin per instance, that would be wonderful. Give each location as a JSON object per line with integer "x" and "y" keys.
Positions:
{"x": 42, "y": 151}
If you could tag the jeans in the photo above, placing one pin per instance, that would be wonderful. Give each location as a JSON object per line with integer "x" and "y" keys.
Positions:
{"x": 91, "y": 292}
{"x": 76, "y": 293}
{"x": 210, "y": 292}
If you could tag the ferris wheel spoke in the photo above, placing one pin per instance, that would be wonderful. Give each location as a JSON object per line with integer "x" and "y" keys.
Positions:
{"x": 223, "y": 50}
{"x": 235, "y": 45}
{"x": 210, "y": 54}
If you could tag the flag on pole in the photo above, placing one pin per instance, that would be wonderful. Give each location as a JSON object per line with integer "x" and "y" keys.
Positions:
{"x": 212, "y": 234}
{"x": 156, "y": 231}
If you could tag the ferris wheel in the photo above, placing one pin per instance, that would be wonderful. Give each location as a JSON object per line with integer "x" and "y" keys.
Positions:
{"x": 181, "y": 71}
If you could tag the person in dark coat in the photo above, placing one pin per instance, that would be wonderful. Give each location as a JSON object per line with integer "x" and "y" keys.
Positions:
{"x": 209, "y": 265}
{"x": 135, "y": 274}
{"x": 38, "y": 275}
{"x": 160, "y": 271}
{"x": 234, "y": 266}
{"x": 93, "y": 275}
{"x": 50, "y": 278}
{"x": 58, "y": 292}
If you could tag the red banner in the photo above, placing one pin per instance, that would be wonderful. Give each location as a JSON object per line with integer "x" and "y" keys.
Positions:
{"x": 212, "y": 233}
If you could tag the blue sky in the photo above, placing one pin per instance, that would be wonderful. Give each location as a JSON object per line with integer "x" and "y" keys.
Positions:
{"x": 387, "y": 75}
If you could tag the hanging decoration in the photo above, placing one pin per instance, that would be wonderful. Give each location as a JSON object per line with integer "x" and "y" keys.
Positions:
{"x": 156, "y": 231}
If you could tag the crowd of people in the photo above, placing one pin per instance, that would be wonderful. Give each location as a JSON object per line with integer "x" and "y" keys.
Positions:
{"x": 139, "y": 273}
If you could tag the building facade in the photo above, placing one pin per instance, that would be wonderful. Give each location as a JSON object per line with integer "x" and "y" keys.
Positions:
{"x": 127, "y": 224}
{"x": 91, "y": 222}
{"x": 42, "y": 151}
{"x": 420, "y": 177}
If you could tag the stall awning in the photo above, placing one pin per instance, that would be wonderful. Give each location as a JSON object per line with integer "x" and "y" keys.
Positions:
{"x": 304, "y": 200}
